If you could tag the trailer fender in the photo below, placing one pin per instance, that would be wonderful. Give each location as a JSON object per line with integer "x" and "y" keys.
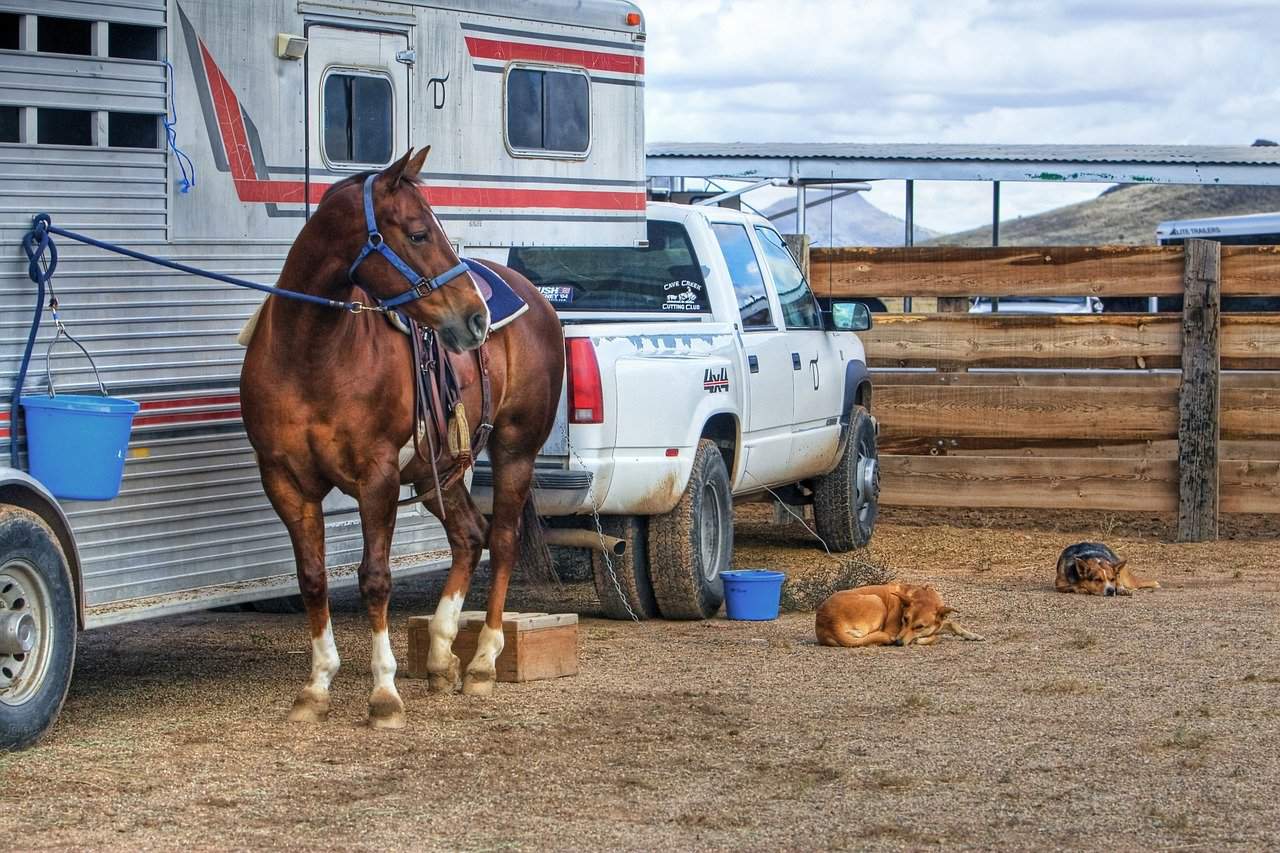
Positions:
{"x": 18, "y": 488}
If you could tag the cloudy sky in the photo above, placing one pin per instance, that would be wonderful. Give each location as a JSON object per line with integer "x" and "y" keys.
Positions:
{"x": 973, "y": 71}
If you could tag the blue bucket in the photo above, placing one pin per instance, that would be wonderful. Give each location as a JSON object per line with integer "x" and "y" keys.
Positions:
{"x": 76, "y": 443}
{"x": 752, "y": 595}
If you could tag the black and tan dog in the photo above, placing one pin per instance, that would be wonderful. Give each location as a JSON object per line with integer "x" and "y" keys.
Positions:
{"x": 1092, "y": 568}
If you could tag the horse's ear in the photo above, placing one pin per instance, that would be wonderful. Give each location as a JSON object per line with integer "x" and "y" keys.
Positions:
{"x": 396, "y": 169}
{"x": 414, "y": 166}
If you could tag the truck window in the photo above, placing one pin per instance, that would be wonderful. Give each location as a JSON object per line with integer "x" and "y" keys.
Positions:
{"x": 357, "y": 118}
{"x": 799, "y": 310}
{"x": 664, "y": 276}
{"x": 548, "y": 111}
{"x": 744, "y": 272}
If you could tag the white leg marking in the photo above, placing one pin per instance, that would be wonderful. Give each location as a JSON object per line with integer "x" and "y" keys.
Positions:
{"x": 444, "y": 628}
{"x": 384, "y": 663}
{"x": 488, "y": 647}
{"x": 324, "y": 660}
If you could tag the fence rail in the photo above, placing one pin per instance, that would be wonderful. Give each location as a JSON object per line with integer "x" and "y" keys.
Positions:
{"x": 1106, "y": 411}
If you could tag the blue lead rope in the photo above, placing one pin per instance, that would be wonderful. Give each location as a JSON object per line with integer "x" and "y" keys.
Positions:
{"x": 42, "y": 260}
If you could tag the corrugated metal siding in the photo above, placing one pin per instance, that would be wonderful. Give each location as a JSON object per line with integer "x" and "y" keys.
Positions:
{"x": 83, "y": 82}
{"x": 1225, "y": 155}
{"x": 191, "y": 512}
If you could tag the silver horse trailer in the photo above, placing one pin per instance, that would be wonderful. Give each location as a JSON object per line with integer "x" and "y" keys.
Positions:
{"x": 205, "y": 131}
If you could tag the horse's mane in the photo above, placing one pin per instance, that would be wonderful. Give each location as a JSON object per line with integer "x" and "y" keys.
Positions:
{"x": 359, "y": 178}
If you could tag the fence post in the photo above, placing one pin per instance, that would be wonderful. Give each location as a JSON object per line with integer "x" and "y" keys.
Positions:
{"x": 1198, "y": 395}
{"x": 799, "y": 246}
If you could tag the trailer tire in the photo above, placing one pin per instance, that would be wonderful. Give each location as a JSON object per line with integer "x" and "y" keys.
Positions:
{"x": 35, "y": 580}
{"x": 692, "y": 544}
{"x": 627, "y": 589}
{"x": 847, "y": 501}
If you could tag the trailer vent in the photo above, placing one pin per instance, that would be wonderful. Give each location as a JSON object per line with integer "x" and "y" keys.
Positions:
{"x": 64, "y": 127}
{"x": 133, "y": 130}
{"x": 9, "y": 27}
{"x": 64, "y": 35}
{"x": 9, "y": 124}
{"x": 128, "y": 41}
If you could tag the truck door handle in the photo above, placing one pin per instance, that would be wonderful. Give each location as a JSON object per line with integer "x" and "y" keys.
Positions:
{"x": 753, "y": 363}
{"x": 795, "y": 361}
{"x": 813, "y": 367}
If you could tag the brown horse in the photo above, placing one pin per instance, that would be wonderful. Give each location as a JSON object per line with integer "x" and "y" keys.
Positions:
{"x": 328, "y": 402}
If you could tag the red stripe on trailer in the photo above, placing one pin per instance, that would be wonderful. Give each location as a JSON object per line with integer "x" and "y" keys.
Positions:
{"x": 594, "y": 60}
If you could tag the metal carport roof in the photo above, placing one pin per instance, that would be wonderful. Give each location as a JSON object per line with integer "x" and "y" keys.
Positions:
{"x": 843, "y": 162}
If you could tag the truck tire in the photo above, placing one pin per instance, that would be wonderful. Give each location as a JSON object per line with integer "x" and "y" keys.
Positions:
{"x": 625, "y": 590}
{"x": 692, "y": 544}
{"x": 847, "y": 501}
{"x": 37, "y": 628}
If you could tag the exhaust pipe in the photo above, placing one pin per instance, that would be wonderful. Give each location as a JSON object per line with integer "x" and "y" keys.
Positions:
{"x": 576, "y": 538}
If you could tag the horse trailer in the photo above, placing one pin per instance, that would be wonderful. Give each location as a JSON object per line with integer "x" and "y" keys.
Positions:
{"x": 204, "y": 131}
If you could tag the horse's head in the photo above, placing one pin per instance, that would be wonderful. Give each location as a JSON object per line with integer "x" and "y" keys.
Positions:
{"x": 434, "y": 290}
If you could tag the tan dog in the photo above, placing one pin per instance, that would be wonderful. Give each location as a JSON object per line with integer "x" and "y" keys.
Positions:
{"x": 887, "y": 614}
{"x": 1092, "y": 568}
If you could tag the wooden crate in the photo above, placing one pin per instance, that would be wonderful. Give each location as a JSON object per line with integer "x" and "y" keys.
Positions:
{"x": 536, "y": 645}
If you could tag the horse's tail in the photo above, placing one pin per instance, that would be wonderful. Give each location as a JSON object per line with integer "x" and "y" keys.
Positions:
{"x": 535, "y": 557}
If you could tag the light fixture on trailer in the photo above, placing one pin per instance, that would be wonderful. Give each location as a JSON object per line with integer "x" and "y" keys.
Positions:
{"x": 289, "y": 46}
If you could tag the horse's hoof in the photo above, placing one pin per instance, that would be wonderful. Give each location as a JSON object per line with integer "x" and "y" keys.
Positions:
{"x": 477, "y": 684}
{"x": 309, "y": 708}
{"x": 444, "y": 682}
{"x": 386, "y": 710}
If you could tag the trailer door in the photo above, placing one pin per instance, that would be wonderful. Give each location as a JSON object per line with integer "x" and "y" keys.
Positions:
{"x": 357, "y": 101}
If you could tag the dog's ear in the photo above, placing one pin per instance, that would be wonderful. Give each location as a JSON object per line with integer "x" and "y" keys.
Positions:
{"x": 1081, "y": 565}
{"x": 1120, "y": 564}
{"x": 945, "y": 611}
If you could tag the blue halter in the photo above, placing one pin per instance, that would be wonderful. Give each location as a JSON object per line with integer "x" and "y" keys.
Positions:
{"x": 421, "y": 285}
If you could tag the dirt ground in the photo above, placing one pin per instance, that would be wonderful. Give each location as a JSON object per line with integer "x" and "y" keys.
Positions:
{"x": 1083, "y": 723}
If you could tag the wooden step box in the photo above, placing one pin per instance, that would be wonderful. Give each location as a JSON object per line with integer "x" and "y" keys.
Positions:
{"x": 536, "y": 645}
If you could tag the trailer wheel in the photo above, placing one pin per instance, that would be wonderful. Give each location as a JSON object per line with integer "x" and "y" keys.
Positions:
{"x": 622, "y": 583}
{"x": 847, "y": 501}
{"x": 37, "y": 628}
{"x": 692, "y": 544}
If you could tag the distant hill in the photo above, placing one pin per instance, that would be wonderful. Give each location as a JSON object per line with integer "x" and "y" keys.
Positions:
{"x": 854, "y": 220}
{"x": 1124, "y": 214}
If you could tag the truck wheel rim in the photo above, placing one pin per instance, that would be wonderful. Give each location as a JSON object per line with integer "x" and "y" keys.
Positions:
{"x": 868, "y": 485}
{"x": 709, "y": 531}
{"x": 23, "y": 590}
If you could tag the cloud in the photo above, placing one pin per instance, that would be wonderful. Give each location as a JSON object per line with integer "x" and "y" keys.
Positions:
{"x": 975, "y": 71}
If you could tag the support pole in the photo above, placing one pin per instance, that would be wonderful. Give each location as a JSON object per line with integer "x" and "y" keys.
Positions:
{"x": 910, "y": 238}
{"x": 995, "y": 233}
{"x": 1198, "y": 396}
{"x": 800, "y": 211}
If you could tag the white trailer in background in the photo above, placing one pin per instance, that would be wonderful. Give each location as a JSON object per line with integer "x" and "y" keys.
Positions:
{"x": 534, "y": 114}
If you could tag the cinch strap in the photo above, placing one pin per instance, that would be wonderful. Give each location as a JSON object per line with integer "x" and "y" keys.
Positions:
{"x": 421, "y": 285}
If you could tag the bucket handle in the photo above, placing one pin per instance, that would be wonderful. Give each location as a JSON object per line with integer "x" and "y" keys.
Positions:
{"x": 48, "y": 371}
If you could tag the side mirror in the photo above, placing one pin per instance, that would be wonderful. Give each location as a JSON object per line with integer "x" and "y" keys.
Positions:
{"x": 849, "y": 317}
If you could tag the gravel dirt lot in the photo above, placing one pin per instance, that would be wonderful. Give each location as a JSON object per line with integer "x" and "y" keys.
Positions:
{"x": 1144, "y": 722}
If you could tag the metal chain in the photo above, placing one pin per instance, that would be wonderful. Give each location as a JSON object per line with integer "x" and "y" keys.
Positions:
{"x": 604, "y": 551}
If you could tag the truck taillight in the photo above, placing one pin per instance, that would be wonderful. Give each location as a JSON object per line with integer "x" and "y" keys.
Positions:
{"x": 586, "y": 396}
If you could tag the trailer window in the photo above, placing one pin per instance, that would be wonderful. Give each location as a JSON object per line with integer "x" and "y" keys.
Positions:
{"x": 358, "y": 119}
{"x": 64, "y": 35}
{"x": 744, "y": 272}
{"x": 799, "y": 309}
{"x": 64, "y": 127}
{"x": 548, "y": 111}
{"x": 662, "y": 277}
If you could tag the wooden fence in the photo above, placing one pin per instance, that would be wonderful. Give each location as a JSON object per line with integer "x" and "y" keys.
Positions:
{"x": 1079, "y": 414}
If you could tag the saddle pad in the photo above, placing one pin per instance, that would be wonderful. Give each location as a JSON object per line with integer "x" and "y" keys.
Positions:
{"x": 504, "y": 304}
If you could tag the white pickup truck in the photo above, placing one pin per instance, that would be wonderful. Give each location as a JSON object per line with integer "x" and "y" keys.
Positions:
{"x": 701, "y": 371}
